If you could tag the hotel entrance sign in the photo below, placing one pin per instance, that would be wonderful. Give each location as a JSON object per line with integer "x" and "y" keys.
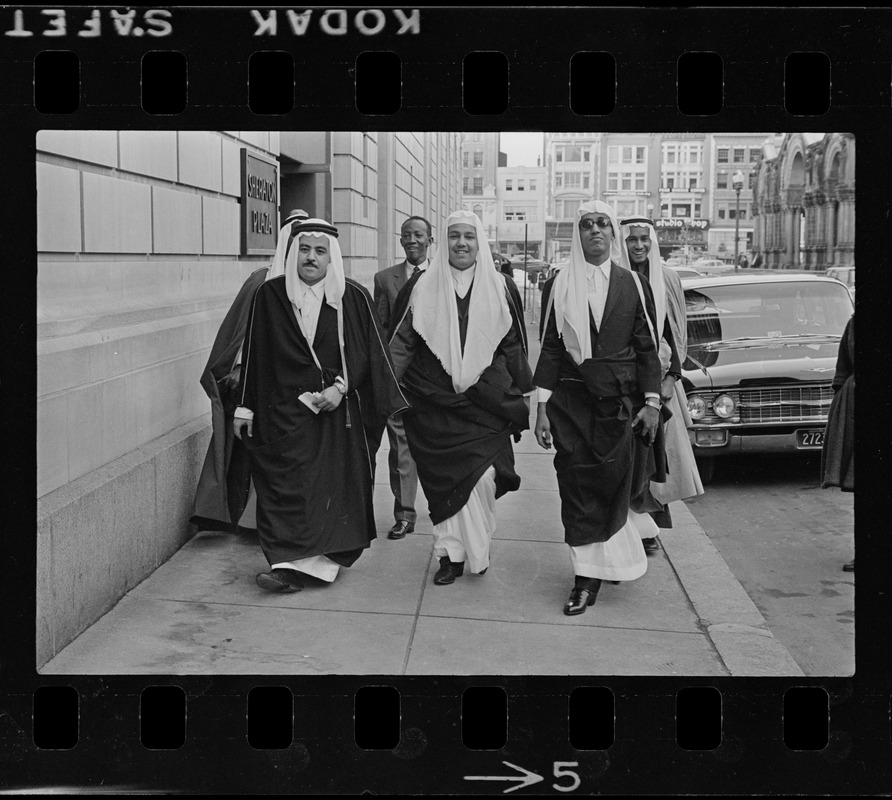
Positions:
{"x": 260, "y": 205}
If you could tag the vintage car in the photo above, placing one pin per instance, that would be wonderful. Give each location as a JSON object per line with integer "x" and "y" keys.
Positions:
{"x": 844, "y": 274}
{"x": 761, "y": 356}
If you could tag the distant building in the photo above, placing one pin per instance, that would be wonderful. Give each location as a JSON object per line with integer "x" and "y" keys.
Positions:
{"x": 572, "y": 162}
{"x": 521, "y": 203}
{"x": 730, "y": 153}
{"x": 804, "y": 201}
{"x": 480, "y": 160}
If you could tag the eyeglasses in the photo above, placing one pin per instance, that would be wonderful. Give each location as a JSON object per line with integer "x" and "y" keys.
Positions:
{"x": 588, "y": 223}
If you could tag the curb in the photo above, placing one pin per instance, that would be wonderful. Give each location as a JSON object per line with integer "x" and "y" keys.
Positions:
{"x": 736, "y": 627}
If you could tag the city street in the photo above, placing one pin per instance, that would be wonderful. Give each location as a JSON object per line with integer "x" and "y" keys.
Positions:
{"x": 785, "y": 539}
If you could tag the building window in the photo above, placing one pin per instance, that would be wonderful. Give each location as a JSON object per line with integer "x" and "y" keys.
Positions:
{"x": 585, "y": 180}
{"x": 639, "y": 183}
{"x": 558, "y": 180}
{"x": 639, "y": 155}
{"x": 670, "y": 156}
{"x": 692, "y": 183}
{"x": 572, "y": 180}
{"x": 478, "y": 158}
{"x": 721, "y": 180}
{"x": 521, "y": 186}
{"x": 509, "y": 184}
{"x": 478, "y": 185}
{"x": 465, "y": 183}
{"x": 738, "y": 155}
{"x": 696, "y": 209}
{"x": 722, "y": 155}
{"x": 613, "y": 155}
{"x": 532, "y": 185}
{"x": 464, "y": 159}
{"x": 670, "y": 184}
{"x": 626, "y": 183}
{"x": 612, "y": 181}
{"x": 754, "y": 154}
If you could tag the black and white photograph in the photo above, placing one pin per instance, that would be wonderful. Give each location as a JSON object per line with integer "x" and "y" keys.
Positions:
{"x": 358, "y": 402}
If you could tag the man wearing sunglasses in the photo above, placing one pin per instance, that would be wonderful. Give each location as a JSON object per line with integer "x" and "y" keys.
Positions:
{"x": 599, "y": 387}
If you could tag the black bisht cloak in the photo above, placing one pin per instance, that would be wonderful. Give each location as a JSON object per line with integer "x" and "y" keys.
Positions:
{"x": 455, "y": 437}
{"x": 223, "y": 487}
{"x": 313, "y": 472}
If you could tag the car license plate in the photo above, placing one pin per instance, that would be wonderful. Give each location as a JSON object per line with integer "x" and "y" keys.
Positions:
{"x": 807, "y": 440}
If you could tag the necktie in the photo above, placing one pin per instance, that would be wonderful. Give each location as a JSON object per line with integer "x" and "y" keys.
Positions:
{"x": 415, "y": 271}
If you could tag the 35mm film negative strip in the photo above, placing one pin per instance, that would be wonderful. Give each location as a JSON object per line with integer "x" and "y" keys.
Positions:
{"x": 155, "y": 155}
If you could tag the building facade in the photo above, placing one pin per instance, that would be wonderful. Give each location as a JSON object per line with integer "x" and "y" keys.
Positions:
{"x": 573, "y": 164}
{"x": 521, "y": 209}
{"x": 804, "y": 201}
{"x": 481, "y": 159}
{"x": 143, "y": 240}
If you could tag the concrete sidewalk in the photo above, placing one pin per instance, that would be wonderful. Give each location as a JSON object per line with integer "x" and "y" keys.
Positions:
{"x": 201, "y": 612}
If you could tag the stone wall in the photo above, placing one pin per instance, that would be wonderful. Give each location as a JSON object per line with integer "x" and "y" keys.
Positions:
{"x": 138, "y": 261}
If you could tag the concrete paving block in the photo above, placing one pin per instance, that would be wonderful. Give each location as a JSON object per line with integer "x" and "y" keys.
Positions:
{"x": 221, "y": 568}
{"x": 199, "y": 158}
{"x": 530, "y": 581}
{"x": 176, "y": 221}
{"x": 716, "y": 594}
{"x": 540, "y": 520}
{"x": 152, "y": 153}
{"x": 753, "y": 653}
{"x": 58, "y": 209}
{"x": 481, "y": 647}
{"x": 145, "y": 636}
{"x": 95, "y": 147}
{"x": 117, "y": 215}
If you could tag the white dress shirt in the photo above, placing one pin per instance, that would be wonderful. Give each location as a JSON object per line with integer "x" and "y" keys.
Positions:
{"x": 410, "y": 268}
{"x": 462, "y": 279}
{"x": 598, "y": 281}
{"x": 306, "y": 312}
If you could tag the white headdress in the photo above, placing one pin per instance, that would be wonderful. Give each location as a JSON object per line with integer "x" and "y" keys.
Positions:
{"x": 655, "y": 268}
{"x": 334, "y": 282}
{"x": 435, "y": 313}
{"x": 569, "y": 293}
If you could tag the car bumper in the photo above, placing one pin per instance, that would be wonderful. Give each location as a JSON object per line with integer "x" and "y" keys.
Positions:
{"x": 738, "y": 442}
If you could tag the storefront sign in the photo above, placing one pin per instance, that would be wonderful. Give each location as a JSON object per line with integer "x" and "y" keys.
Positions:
{"x": 260, "y": 205}
{"x": 677, "y": 222}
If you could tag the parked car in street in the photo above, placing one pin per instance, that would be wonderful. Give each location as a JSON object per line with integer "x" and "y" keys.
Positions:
{"x": 844, "y": 274}
{"x": 686, "y": 272}
{"x": 761, "y": 356}
{"x": 711, "y": 266}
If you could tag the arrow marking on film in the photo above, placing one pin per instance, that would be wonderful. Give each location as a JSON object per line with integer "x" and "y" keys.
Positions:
{"x": 526, "y": 777}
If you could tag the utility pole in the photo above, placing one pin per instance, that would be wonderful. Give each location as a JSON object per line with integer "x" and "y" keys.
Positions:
{"x": 737, "y": 183}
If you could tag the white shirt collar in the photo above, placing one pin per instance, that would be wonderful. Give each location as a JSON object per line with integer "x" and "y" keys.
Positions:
{"x": 604, "y": 267}
{"x": 317, "y": 289}
{"x": 463, "y": 277}
{"x": 422, "y": 266}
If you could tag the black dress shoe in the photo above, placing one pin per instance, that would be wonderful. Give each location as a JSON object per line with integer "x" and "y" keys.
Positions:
{"x": 849, "y": 566}
{"x": 449, "y": 571}
{"x": 583, "y": 595}
{"x": 279, "y": 580}
{"x": 650, "y": 545}
{"x": 400, "y": 530}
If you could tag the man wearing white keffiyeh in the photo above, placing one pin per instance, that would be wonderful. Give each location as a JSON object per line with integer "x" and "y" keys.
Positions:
{"x": 459, "y": 349}
{"x": 640, "y": 253}
{"x": 316, "y": 367}
{"x": 599, "y": 380}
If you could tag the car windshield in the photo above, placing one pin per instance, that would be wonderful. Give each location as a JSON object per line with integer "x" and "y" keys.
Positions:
{"x": 752, "y": 312}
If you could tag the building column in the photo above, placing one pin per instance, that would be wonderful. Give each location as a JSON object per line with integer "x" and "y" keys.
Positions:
{"x": 790, "y": 234}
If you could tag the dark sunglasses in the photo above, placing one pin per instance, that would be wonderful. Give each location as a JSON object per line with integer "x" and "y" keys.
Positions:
{"x": 588, "y": 223}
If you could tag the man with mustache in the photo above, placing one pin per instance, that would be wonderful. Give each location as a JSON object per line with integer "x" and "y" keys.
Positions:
{"x": 315, "y": 365}
{"x": 599, "y": 387}
{"x": 416, "y": 239}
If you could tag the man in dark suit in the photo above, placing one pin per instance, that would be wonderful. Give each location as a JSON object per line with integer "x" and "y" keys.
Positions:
{"x": 599, "y": 387}
{"x": 415, "y": 238}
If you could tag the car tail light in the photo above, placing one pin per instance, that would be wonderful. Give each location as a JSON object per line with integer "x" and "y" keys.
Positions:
{"x": 697, "y": 406}
{"x": 724, "y": 406}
